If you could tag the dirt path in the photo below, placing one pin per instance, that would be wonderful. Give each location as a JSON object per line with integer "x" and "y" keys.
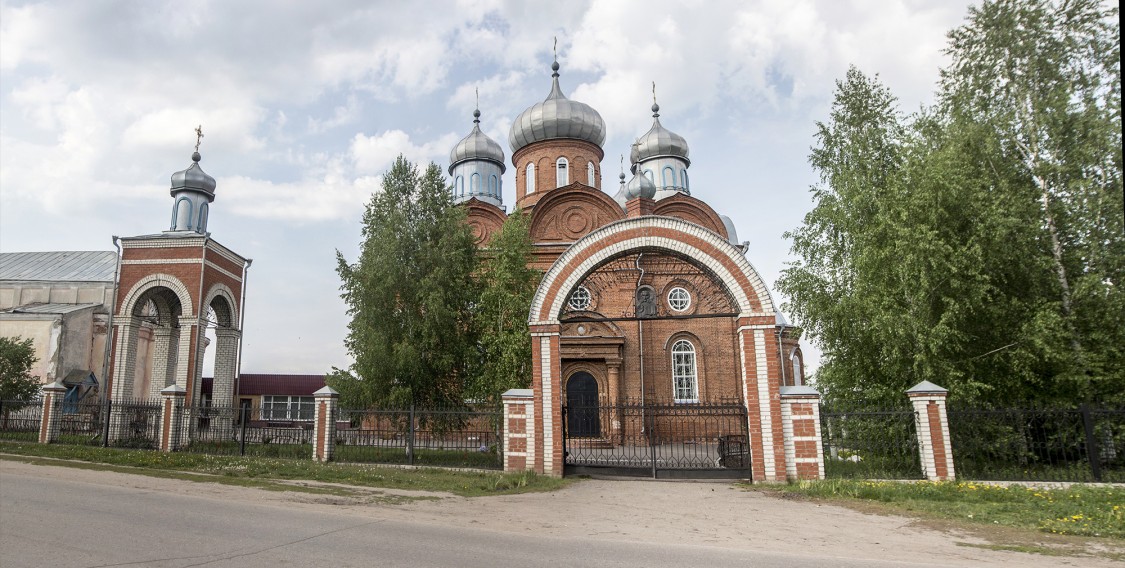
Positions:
{"x": 698, "y": 513}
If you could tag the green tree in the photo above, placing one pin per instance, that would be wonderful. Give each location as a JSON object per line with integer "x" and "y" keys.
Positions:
{"x": 508, "y": 285}
{"x": 17, "y": 384}
{"x": 1043, "y": 80}
{"x": 934, "y": 251}
{"x": 410, "y": 296}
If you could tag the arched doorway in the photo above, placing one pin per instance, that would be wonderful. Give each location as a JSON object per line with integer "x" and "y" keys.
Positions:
{"x": 582, "y": 419}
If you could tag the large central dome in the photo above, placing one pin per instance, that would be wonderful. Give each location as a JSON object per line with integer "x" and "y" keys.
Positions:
{"x": 556, "y": 117}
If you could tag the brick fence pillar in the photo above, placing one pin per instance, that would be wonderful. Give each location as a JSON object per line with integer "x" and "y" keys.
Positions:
{"x": 519, "y": 430}
{"x": 800, "y": 423}
{"x": 324, "y": 423}
{"x": 932, "y": 426}
{"x": 52, "y": 408}
{"x": 171, "y": 417}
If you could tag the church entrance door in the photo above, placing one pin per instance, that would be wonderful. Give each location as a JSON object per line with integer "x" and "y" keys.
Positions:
{"x": 582, "y": 419}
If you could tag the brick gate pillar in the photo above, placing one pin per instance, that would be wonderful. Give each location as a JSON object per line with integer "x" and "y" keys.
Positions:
{"x": 324, "y": 423}
{"x": 171, "y": 417}
{"x": 546, "y": 382}
{"x": 800, "y": 418}
{"x": 932, "y": 425}
{"x": 52, "y": 408}
{"x": 519, "y": 429}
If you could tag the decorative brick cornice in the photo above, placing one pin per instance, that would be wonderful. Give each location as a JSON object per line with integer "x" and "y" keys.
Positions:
{"x": 701, "y": 245}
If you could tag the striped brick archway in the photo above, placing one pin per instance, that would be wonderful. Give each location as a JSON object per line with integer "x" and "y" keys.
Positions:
{"x": 756, "y": 322}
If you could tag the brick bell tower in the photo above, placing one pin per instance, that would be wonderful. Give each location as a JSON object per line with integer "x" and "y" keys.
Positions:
{"x": 173, "y": 286}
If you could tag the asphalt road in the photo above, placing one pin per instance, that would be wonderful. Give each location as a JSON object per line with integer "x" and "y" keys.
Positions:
{"x": 68, "y": 522}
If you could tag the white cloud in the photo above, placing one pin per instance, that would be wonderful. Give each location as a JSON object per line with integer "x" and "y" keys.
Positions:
{"x": 375, "y": 154}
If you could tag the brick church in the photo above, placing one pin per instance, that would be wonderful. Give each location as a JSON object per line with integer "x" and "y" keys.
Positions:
{"x": 646, "y": 293}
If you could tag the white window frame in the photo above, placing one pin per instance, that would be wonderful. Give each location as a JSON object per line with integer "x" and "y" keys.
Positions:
{"x": 679, "y": 295}
{"x": 285, "y": 407}
{"x": 562, "y": 172}
{"x": 529, "y": 183}
{"x": 685, "y": 376}
{"x": 590, "y": 174}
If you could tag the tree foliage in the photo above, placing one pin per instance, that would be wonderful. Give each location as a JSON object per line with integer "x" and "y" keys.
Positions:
{"x": 410, "y": 296}
{"x": 977, "y": 244}
{"x": 17, "y": 356}
{"x": 508, "y": 285}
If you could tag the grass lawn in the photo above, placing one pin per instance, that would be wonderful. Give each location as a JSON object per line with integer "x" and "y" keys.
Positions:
{"x": 1080, "y": 510}
{"x": 238, "y": 470}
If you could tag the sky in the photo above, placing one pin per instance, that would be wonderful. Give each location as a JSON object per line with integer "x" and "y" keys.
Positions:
{"x": 304, "y": 105}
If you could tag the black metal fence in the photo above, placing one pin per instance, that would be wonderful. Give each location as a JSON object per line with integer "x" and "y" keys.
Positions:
{"x": 870, "y": 443}
{"x": 134, "y": 423}
{"x": 1039, "y": 444}
{"x": 656, "y": 439}
{"x": 229, "y": 430}
{"x": 19, "y": 419}
{"x": 464, "y": 436}
{"x": 83, "y": 423}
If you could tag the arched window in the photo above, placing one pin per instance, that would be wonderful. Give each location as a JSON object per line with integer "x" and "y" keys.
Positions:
{"x": 530, "y": 181}
{"x": 562, "y": 176}
{"x": 201, "y": 226}
{"x": 685, "y": 384}
{"x": 493, "y": 183}
{"x": 668, "y": 177}
{"x": 683, "y": 179}
{"x": 458, "y": 186}
{"x": 474, "y": 184}
{"x": 590, "y": 174}
{"x": 181, "y": 215}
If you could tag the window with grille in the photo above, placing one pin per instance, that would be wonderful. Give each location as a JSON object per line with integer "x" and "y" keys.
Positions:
{"x": 684, "y": 381}
{"x": 679, "y": 299}
{"x": 579, "y": 299}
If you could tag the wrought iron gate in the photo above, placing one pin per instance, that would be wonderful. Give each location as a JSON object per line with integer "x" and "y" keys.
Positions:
{"x": 659, "y": 440}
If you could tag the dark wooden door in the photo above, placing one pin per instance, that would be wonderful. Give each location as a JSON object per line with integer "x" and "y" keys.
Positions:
{"x": 582, "y": 419}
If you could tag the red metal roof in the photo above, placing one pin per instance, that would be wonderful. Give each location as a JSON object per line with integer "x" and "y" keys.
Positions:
{"x": 258, "y": 384}
{"x": 254, "y": 384}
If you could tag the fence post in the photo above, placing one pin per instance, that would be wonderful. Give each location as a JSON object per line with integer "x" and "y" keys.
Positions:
{"x": 107, "y": 408}
{"x": 932, "y": 426}
{"x": 49, "y": 417}
{"x": 519, "y": 429}
{"x": 800, "y": 426}
{"x": 410, "y": 438}
{"x": 244, "y": 417}
{"x": 1091, "y": 443}
{"x": 171, "y": 417}
{"x": 324, "y": 424}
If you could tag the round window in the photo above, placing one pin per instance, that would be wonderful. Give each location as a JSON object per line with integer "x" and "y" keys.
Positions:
{"x": 579, "y": 299}
{"x": 679, "y": 299}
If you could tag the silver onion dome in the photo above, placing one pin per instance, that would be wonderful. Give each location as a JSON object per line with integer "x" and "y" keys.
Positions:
{"x": 659, "y": 142}
{"x": 556, "y": 117}
{"x": 640, "y": 186}
{"x": 476, "y": 146}
{"x": 193, "y": 178}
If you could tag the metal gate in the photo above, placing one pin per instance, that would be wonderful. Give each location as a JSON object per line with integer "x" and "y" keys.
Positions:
{"x": 659, "y": 440}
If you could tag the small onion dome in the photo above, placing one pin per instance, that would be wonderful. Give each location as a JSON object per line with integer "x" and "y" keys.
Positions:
{"x": 659, "y": 142}
{"x": 556, "y": 117}
{"x": 193, "y": 178}
{"x": 619, "y": 197}
{"x": 476, "y": 146}
{"x": 640, "y": 186}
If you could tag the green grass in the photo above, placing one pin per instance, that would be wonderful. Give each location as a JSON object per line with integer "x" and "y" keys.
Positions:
{"x": 1079, "y": 510}
{"x": 467, "y": 484}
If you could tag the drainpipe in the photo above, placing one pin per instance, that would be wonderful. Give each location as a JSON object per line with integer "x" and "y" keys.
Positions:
{"x": 109, "y": 324}
{"x": 241, "y": 331}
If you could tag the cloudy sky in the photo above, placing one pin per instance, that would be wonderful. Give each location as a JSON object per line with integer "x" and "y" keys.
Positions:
{"x": 305, "y": 104}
